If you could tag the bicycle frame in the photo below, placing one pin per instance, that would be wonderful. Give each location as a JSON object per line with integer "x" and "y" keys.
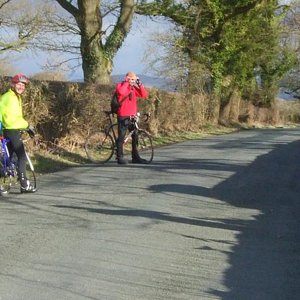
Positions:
{"x": 134, "y": 122}
{"x": 6, "y": 156}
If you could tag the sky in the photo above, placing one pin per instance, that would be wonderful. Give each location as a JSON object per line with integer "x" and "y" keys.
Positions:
{"x": 130, "y": 57}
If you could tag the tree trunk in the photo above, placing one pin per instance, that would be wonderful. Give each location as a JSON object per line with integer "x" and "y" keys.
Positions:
{"x": 230, "y": 109}
{"x": 97, "y": 58}
{"x": 95, "y": 67}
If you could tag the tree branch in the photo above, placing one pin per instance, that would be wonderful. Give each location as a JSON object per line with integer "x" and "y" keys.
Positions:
{"x": 69, "y": 7}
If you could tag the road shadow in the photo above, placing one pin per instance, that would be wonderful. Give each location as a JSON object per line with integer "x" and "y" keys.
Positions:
{"x": 265, "y": 263}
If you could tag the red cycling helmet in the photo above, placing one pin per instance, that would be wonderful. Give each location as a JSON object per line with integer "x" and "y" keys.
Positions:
{"x": 20, "y": 78}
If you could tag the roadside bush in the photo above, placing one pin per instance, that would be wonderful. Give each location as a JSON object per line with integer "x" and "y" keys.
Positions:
{"x": 64, "y": 112}
{"x": 289, "y": 111}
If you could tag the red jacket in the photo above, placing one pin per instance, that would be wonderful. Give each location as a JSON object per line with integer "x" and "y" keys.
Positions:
{"x": 129, "y": 105}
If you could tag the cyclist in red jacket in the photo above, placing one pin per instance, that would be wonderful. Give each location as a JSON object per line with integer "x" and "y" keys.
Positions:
{"x": 127, "y": 92}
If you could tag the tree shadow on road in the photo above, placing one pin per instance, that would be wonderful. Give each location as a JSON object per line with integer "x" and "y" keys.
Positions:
{"x": 265, "y": 263}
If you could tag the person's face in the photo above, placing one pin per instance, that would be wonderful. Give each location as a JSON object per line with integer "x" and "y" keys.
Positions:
{"x": 19, "y": 87}
{"x": 131, "y": 79}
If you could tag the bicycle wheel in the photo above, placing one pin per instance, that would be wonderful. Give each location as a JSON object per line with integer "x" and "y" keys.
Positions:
{"x": 99, "y": 147}
{"x": 5, "y": 180}
{"x": 145, "y": 146}
{"x": 30, "y": 173}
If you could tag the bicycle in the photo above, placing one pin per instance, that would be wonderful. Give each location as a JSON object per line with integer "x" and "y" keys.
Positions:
{"x": 100, "y": 145}
{"x": 9, "y": 174}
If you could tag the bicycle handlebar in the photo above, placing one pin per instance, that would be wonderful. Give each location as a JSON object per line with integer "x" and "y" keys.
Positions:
{"x": 138, "y": 115}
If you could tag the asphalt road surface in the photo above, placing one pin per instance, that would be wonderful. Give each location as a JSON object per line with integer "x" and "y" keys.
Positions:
{"x": 216, "y": 218}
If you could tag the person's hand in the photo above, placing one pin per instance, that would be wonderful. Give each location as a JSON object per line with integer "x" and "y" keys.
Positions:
{"x": 31, "y": 131}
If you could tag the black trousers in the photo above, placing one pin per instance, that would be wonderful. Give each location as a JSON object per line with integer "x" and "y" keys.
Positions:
{"x": 124, "y": 124}
{"x": 16, "y": 146}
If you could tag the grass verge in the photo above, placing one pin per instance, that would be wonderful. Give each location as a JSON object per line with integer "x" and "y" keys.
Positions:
{"x": 53, "y": 161}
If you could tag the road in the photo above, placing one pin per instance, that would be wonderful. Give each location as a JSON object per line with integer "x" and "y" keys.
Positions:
{"x": 216, "y": 218}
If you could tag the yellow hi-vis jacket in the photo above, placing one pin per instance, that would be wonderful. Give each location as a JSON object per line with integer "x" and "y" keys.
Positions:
{"x": 11, "y": 113}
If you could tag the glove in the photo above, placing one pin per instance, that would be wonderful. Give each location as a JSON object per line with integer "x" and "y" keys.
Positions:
{"x": 31, "y": 131}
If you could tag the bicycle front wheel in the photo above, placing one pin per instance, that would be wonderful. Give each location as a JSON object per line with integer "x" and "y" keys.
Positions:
{"x": 5, "y": 180}
{"x": 99, "y": 147}
{"x": 30, "y": 173}
{"x": 145, "y": 145}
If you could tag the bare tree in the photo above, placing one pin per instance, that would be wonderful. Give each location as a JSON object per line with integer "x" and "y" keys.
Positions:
{"x": 20, "y": 22}
{"x": 99, "y": 39}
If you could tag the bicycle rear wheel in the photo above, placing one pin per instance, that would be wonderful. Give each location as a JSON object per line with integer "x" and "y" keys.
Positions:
{"x": 145, "y": 145}
{"x": 99, "y": 147}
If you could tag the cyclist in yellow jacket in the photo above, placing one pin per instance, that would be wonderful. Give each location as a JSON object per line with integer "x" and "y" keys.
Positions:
{"x": 11, "y": 114}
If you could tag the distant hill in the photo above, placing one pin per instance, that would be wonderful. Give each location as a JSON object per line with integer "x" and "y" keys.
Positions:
{"x": 148, "y": 81}
{"x": 163, "y": 84}
{"x": 285, "y": 94}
